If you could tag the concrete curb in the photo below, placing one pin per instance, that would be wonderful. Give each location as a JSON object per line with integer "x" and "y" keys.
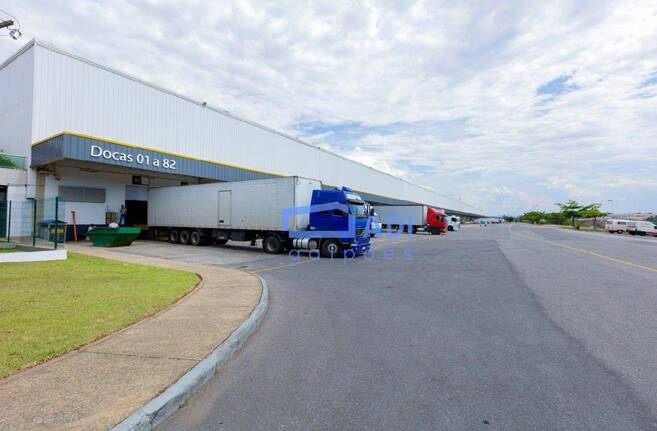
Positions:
{"x": 164, "y": 405}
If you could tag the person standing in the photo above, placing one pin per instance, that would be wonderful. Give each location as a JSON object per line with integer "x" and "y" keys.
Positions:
{"x": 122, "y": 213}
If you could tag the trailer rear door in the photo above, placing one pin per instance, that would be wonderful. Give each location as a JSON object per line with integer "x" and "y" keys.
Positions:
{"x": 224, "y": 208}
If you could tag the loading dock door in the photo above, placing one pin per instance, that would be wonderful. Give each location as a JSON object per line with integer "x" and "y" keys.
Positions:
{"x": 224, "y": 208}
{"x": 136, "y": 202}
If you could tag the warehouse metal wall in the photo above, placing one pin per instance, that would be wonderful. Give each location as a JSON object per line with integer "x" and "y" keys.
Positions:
{"x": 72, "y": 94}
{"x": 16, "y": 86}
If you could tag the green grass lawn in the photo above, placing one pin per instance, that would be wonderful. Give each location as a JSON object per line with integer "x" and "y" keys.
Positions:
{"x": 7, "y": 250}
{"x": 49, "y": 308}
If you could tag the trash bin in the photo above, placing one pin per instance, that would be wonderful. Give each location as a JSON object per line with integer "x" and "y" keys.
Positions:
{"x": 113, "y": 237}
{"x": 53, "y": 230}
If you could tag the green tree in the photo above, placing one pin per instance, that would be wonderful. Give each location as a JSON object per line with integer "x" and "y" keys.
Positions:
{"x": 533, "y": 216}
{"x": 592, "y": 211}
{"x": 555, "y": 218}
{"x": 571, "y": 210}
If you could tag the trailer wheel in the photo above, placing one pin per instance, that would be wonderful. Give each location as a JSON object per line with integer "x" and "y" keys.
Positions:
{"x": 173, "y": 236}
{"x": 330, "y": 248}
{"x": 195, "y": 238}
{"x": 272, "y": 244}
{"x": 184, "y": 237}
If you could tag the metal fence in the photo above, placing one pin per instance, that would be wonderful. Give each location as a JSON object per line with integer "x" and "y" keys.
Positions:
{"x": 33, "y": 222}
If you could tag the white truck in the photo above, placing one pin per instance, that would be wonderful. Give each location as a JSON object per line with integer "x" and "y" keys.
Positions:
{"x": 613, "y": 225}
{"x": 453, "y": 223}
{"x": 641, "y": 228}
{"x": 261, "y": 209}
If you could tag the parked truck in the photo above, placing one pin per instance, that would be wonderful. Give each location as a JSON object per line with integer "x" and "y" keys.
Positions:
{"x": 417, "y": 217}
{"x": 375, "y": 220}
{"x": 262, "y": 209}
{"x": 453, "y": 223}
{"x": 641, "y": 228}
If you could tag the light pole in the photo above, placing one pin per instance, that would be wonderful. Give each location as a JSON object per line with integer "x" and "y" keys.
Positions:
{"x": 14, "y": 32}
{"x": 612, "y": 205}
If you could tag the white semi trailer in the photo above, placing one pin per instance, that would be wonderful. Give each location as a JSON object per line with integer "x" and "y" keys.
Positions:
{"x": 251, "y": 210}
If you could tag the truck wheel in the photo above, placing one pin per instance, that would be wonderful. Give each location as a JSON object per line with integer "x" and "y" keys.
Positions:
{"x": 414, "y": 230}
{"x": 272, "y": 244}
{"x": 330, "y": 248}
{"x": 173, "y": 236}
{"x": 450, "y": 228}
{"x": 221, "y": 241}
{"x": 434, "y": 230}
{"x": 184, "y": 237}
{"x": 195, "y": 238}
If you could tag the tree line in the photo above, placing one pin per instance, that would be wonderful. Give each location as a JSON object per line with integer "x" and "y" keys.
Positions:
{"x": 569, "y": 213}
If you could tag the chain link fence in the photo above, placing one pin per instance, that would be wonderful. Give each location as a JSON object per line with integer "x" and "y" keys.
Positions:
{"x": 33, "y": 222}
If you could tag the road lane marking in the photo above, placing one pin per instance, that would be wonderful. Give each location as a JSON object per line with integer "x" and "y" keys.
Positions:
{"x": 271, "y": 268}
{"x": 590, "y": 253}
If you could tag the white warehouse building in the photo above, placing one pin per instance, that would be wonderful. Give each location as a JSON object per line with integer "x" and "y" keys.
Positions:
{"x": 98, "y": 138}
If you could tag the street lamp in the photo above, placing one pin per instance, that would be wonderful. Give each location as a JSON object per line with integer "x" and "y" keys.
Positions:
{"x": 14, "y": 32}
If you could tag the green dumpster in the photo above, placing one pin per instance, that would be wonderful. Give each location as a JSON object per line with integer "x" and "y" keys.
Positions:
{"x": 113, "y": 237}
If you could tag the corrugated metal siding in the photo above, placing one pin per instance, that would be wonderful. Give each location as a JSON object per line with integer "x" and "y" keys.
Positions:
{"x": 16, "y": 88}
{"x": 74, "y": 95}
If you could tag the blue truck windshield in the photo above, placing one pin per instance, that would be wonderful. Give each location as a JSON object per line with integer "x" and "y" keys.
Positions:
{"x": 358, "y": 210}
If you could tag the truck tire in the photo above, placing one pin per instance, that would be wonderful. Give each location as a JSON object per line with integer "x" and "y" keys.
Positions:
{"x": 184, "y": 237}
{"x": 272, "y": 244}
{"x": 414, "y": 230}
{"x": 330, "y": 248}
{"x": 173, "y": 236}
{"x": 195, "y": 238}
{"x": 434, "y": 230}
{"x": 450, "y": 228}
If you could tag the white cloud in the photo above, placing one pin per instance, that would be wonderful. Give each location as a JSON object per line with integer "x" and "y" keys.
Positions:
{"x": 458, "y": 80}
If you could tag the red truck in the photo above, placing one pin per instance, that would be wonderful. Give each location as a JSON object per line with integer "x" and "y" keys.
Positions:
{"x": 419, "y": 217}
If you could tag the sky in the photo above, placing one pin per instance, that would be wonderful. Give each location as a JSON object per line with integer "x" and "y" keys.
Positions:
{"x": 506, "y": 106}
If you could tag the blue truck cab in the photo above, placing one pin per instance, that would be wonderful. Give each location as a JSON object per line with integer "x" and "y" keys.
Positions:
{"x": 337, "y": 220}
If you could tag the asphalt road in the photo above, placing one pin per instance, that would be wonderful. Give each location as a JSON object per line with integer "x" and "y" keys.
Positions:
{"x": 497, "y": 328}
